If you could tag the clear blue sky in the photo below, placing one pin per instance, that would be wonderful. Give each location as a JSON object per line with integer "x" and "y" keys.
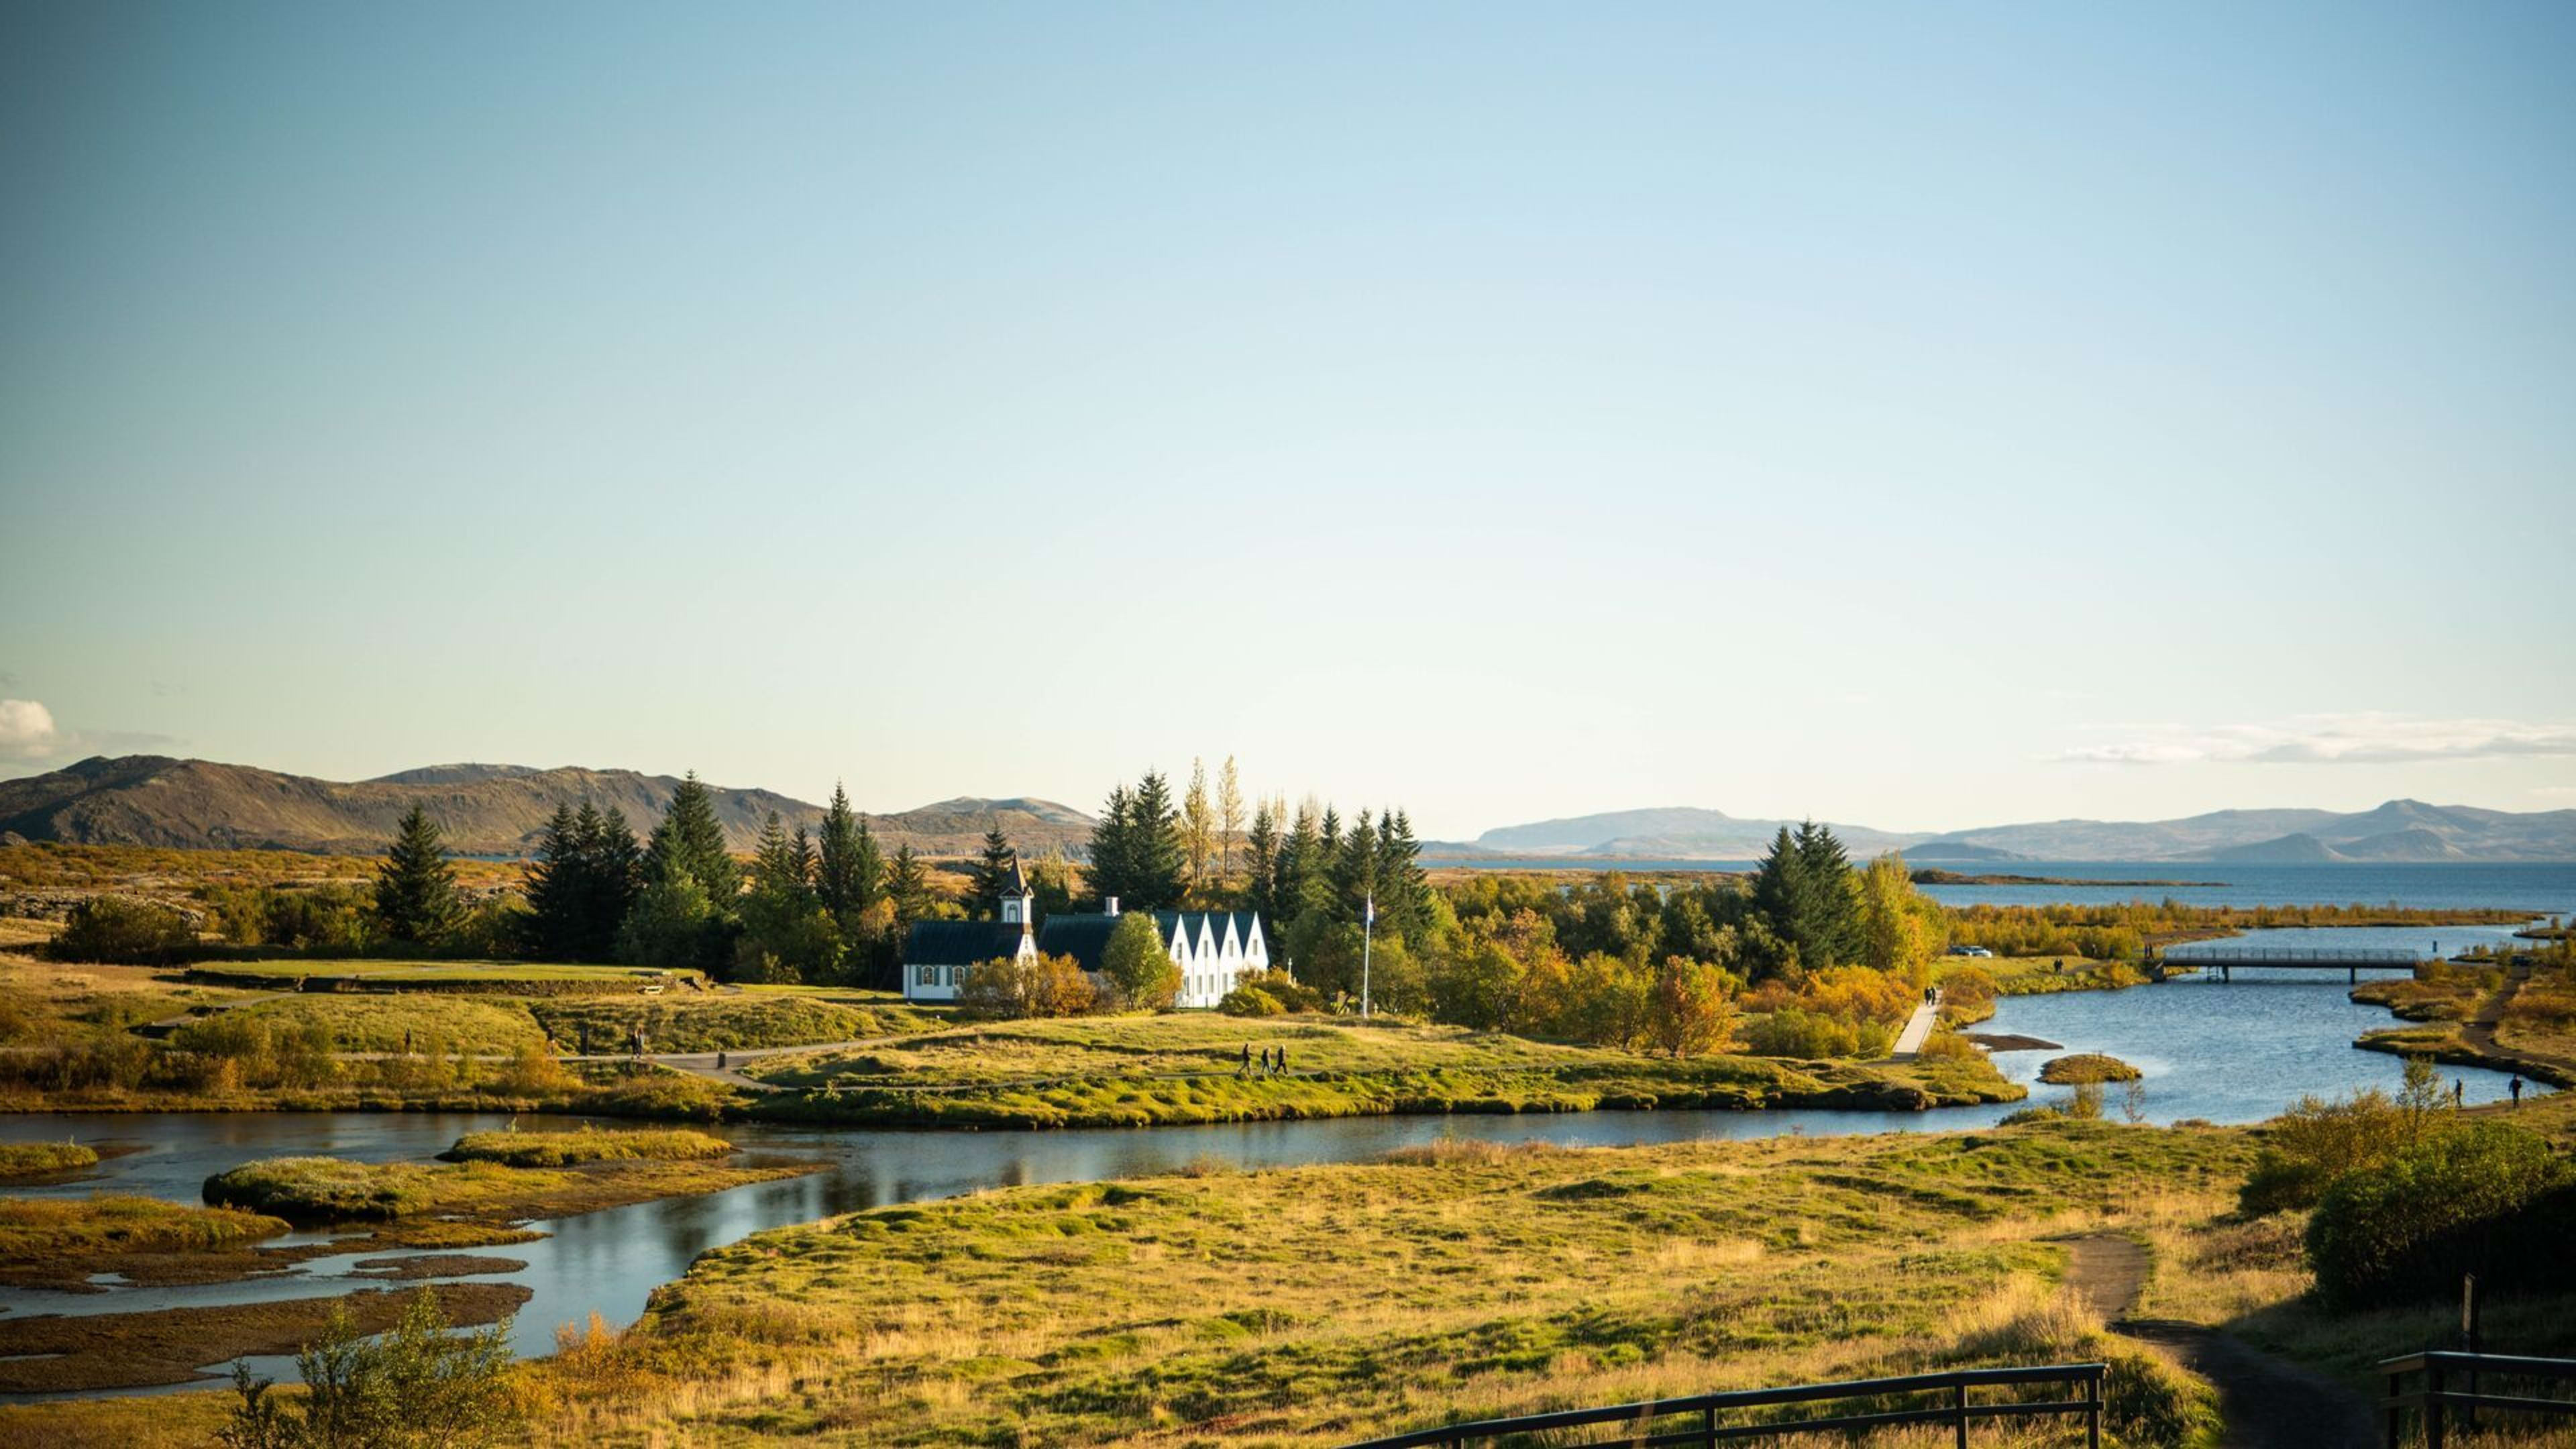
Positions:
{"x": 1916, "y": 415}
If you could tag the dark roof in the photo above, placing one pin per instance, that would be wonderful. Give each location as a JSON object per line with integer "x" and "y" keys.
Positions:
{"x": 960, "y": 943}
{"x": 1082, "y": 937}
{"x": 1015, "y": 884}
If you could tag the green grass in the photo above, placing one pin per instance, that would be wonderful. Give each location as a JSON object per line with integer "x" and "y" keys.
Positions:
{"x": 54, "y": 1228}
{"x": 691, "y": 1022}
{"x": 1163, "y": 1070}
{"x": 40, "y": 1159}
{"x": 427, "y": 1024}
{"x": 1322, "y": 1304}
{"x": 329, "y": 1189}
{"x": 499, "y": 976}
{"x": 565, "y": 1149}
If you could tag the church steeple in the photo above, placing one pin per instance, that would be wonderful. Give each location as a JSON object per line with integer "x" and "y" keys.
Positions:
{"x": 1019, "y": 903}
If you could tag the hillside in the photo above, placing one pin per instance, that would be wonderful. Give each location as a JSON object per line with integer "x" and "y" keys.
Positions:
{"x": 2400, "y": 830}
{"x": 484, "y": 809}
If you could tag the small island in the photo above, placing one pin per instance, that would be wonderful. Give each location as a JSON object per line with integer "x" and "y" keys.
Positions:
{"x": 2086, "y": 1067}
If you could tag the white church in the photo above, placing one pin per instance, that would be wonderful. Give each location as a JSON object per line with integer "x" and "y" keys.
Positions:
{"x": 1213, "y": 949}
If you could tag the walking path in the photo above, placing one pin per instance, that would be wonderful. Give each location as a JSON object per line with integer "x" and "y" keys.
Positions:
{"x": 2263, "y": 1402}
{"x": 1918, "y": 1028}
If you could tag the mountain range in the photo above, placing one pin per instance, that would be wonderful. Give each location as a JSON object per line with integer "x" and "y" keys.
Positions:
{"x": 481, "y": 809}
{"x": 2400, "y": 830}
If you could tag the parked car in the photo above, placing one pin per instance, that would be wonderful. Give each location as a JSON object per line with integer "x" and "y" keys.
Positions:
{"x": 1970, "y": 951}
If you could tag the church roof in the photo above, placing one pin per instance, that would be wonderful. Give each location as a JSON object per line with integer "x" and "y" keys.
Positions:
{"x": 960, "y": 943}
{"x": 1083, "y": 937}
{"x": 1016, "y": 883}
{"x": 1217, "y": 921}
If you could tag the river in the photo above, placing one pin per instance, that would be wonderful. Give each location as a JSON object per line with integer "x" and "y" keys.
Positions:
{"x": 2224, "y": 1052}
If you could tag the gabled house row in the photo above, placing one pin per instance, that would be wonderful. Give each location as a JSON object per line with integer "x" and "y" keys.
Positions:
{"x": 1213, "y": 949}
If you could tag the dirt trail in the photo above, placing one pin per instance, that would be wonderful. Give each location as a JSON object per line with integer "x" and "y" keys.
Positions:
{"x": 2265, "y": 1402}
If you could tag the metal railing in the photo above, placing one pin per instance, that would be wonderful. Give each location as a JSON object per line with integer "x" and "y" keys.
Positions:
{"x": 1641, "y": 1425}
{"x": 2292, "y": 956}
{"x": 2451, "y": 1383}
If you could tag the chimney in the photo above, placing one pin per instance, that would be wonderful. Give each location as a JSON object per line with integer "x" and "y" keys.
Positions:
{"x": 1110, "y": 905}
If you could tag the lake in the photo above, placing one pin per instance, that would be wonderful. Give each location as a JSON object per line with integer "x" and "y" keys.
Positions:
{"x": 2226, "y": 1052}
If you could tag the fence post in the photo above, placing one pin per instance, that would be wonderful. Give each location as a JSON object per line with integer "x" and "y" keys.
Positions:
{"x": 2433, "y": 1405}
{"x": 1708, "y": 1427}
{"x": 2395, "y": 1414}
{"x": 2093, "y": 1410}
{"x": 1959, "y": 1406}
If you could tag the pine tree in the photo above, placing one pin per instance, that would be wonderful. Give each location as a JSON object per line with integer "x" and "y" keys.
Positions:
{"x": 1355, "y": 871}
{"x": 806, "y": 862}
{"x": 1832, "y": 915}
{"x": 1261, "y": 864}
{"x": 1229, "y": 818}
{"x": 1404, "y": 888}
{"x": 1113, "y": 855}
{"x": 1198, "y": 824}
{"x": 1160, "y": 860}
{"x": 691, "y": 840}
{"x": 612, "y": 876}
{"x": 991, "y": 872}
{"x": 416, "y": 901}
{"x": 775, "y": 871}
{"x": 558, "y": 895}
{"x": 909, "y": 885}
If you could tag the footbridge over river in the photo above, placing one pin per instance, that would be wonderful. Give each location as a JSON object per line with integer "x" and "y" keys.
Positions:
{"x": 2350, "y": 960}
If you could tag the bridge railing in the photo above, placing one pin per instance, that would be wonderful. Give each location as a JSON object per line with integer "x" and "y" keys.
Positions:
{"x": 2451, "y": 1385}
{"x": 1694, "y": 1420}
{"x": 2293, "y": 956}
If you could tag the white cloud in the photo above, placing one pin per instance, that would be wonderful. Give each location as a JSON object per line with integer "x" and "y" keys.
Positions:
{"x": 26, "y": 730}
{"x": 2370, "y": 738}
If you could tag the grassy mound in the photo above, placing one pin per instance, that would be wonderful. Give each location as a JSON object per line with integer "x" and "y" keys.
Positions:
{"x": 324, "y": 1189}
{"x": 391, "y": 1024}
{"x": 2082, "y": 1067}
{"x": 694, "y": 1023}
{"x": 38, "y": 1159}
{"x": 566, "y": 1149}
{"x": 32, "y": 1228}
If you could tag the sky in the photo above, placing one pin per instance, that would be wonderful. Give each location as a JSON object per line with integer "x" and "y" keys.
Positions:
{"x": 1919, "y": 416}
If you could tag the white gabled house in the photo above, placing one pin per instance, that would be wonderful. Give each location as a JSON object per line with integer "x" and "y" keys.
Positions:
{"x": 1213, "y": 949}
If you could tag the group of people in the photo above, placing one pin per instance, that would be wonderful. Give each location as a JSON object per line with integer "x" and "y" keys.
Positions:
{"x": 1274, "y": 1061}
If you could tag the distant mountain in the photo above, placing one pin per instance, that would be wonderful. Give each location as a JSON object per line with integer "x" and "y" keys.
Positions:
{"x": 2400, "y": 830}
{"x": 482, "y": 809}
{"x": 1673, "y": 833}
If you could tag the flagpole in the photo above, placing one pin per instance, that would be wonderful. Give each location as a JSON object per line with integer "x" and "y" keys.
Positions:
{"x": 1368, "y": 933}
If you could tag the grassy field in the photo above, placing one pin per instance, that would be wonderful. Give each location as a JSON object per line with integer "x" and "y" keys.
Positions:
{"x": 440, "y": 1025}
{"x": 45, "y": 1229}
{"x": 1315, "y": 1304}
{"x": 1152, "y": 1071}
{"x": 42, "y": 1002}
{"x": 689, "y": 1022}
{"x": 498, "y": 975}
{"x": 1162, "y": 1046}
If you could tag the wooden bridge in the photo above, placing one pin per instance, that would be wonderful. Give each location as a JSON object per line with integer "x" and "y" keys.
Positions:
{"x": 2351, "y": 960}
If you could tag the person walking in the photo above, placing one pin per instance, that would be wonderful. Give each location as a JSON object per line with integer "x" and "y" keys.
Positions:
{"x": 2459, "y": 1092}
{"x": 1283, "y": 1061}
{"x": 2515, "y": 1087}
{"x": 720, "y": 1059}
{"x": 1246, "y": 1069}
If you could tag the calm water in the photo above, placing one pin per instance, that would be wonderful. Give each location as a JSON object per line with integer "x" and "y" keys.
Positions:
{"x": 2538, "y": 888}
{"x": 2234, "y": 1052}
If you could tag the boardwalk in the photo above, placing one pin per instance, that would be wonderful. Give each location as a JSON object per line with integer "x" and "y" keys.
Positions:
{"x": 1918, "y": 1029}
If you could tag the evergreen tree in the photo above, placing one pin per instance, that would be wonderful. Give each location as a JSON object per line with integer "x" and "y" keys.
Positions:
{"x": 909, "y": 886}
{"x": 1833, "y": 905}
{"x": 838, "y": 880}
{"x": 1113, "y": 853}
{"x": 991, "y": 873}
{"x": 558, "y": 899}
{"x": 1261, "y": 864}
{"x": 806, "y": 861}
{"x": 691, "y": 840}
{"x": 1160, "y": 862}
{"x": 787, "y": 936}
{"x": 776, "y": 870}
{"x": 1355, "y": 871}
{"x": 1404, "y": 888}
{"x": 416, "y": 901}
{"x": 612, "y": 875}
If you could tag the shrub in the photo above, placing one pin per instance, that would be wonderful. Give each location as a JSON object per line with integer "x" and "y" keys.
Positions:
{"x": 113, "y": 929}
{"x": 413, "y": 1388}
{"x": 564, "y": 1149}
{"x": 1794, "y": 1032}
{"x": 1291, "y": 993}
{"x": 1137, "y": 965}
{"x": 36, "y": 1159}
{"x": 1251, "y": 1001}
{"x": 2086, "y": 1067}
{"x": 2405, "y": 1230}
{"x": 2317, "y": 1141}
